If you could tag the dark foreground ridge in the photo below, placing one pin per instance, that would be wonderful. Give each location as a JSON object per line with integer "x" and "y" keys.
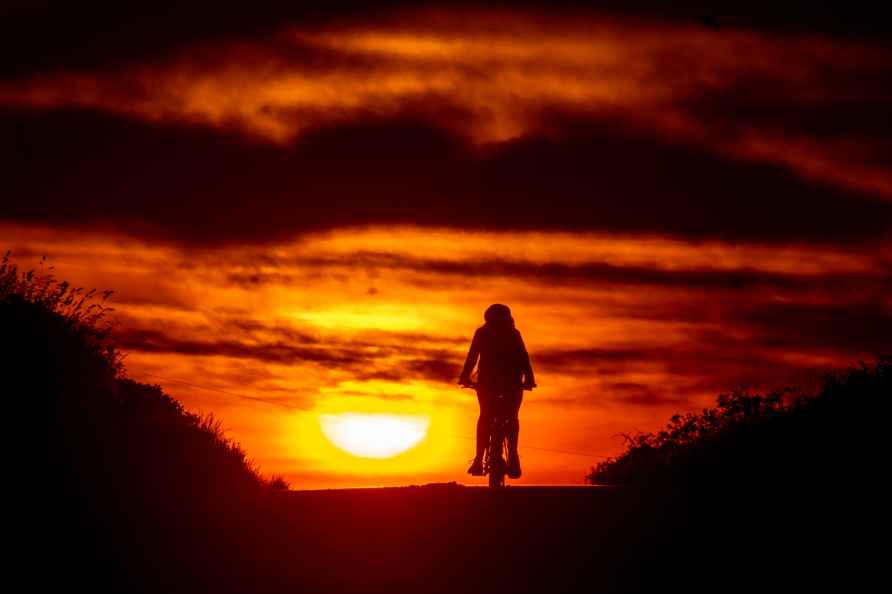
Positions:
{"x": 453, "y": 538}
{"x": 549, "y": 539}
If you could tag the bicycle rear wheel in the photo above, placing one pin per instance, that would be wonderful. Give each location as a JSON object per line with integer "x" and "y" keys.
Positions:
{"x": 497, "y": 467}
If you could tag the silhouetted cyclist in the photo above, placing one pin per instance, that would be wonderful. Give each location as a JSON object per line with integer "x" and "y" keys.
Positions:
{"x": 504, "y": 370}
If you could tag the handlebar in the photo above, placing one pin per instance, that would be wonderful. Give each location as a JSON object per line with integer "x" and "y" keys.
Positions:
{"x": 474, "y": 385}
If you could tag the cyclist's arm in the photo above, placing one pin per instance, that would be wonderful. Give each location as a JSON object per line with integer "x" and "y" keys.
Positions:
{"x": 529, "y": 378}
{"x": 470, "y": 360}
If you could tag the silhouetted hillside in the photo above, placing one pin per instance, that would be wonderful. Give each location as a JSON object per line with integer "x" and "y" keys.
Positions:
{"x": 71, "y": 386}
{"x": 117, "y": 472}
{"x": 770, "y": 492}
{"x": 788, "y": 437}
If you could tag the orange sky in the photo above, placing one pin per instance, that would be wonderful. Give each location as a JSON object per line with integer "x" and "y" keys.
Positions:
{"x": 361, "y": 320}
{"x": 308, "y": 219}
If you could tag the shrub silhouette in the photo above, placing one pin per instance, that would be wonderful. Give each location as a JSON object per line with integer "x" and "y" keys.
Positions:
{"x": 782, "y": 437}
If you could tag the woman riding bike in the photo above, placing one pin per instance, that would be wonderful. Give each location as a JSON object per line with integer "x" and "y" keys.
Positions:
{"x": 504, "y": 371}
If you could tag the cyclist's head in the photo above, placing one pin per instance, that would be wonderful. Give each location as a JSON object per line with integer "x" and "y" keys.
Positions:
{"x": 499, "y": 315}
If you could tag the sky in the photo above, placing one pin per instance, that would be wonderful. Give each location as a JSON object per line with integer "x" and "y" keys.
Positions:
{"x": 304, "y": 211}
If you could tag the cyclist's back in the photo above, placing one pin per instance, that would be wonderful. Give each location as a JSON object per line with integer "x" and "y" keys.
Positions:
{"x": 501, "y": 356}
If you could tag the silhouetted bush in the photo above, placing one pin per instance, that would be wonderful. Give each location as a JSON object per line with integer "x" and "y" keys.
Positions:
{"x": 784, "y": 436}
{"x": 278, "y": 482}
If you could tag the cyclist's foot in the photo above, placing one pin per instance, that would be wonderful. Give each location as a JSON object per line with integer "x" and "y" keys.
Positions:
{"x": 514, "y": 467}
{"x": 476, "y": 468}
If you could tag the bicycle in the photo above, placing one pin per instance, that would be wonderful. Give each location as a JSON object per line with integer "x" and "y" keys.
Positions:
{"x": 495, "y": 457}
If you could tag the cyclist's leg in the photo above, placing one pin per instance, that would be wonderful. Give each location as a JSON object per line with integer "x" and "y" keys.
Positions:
{"x": 514, "y": 398}
{"x": 484, "y": 397}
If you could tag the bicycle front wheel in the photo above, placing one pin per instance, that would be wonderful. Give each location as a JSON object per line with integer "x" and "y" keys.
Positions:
{"x": 497, "y": 476}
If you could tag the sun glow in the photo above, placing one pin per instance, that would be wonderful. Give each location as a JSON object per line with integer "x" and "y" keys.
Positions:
{"x": 374, "y": 435}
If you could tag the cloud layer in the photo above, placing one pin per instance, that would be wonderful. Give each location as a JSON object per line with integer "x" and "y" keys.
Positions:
{"x": 480, "y": 119}
{"x": 194, "y": 185}
{"x": 496, "y": 76}
{"x": 305, "y": 210}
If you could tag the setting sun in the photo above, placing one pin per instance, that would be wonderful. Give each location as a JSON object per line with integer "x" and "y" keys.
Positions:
{"x": 374, "y": 435}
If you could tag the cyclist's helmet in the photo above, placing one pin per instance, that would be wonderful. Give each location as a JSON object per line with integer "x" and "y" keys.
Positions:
{"x": 498, "y": 314}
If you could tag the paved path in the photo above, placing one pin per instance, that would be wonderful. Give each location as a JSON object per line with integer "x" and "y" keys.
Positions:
{"x": 452, "y": 538}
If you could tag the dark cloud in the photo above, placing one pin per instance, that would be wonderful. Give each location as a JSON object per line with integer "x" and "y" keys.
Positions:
{"x": 444, "y": 367}
{"x": 862, "y": 328}
{"x": 40, "y": 36}
{"x": 845, "y": 135}
{"x": 395, "y": 360}
{"x": 254, "y": 329}
{"x": 689, "y": 370}
{"x": 590, "y": 273}
{"x": 749, "y": 333}
{"x": 153, "y": 341}
{"x": 762, "y": 346}
{"x": 756, "y": 103}
{"x": 594, "y": 360}
{"x": 196, "y": 185}
{"x": 637, "y": 394}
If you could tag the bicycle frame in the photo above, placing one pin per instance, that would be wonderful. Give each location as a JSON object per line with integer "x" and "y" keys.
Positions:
{"x": 495, "y": 460}
{"x": 495, "y": 464}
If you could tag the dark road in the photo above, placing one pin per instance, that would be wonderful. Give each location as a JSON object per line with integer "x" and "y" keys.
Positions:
{"x": 450, "y": 538}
